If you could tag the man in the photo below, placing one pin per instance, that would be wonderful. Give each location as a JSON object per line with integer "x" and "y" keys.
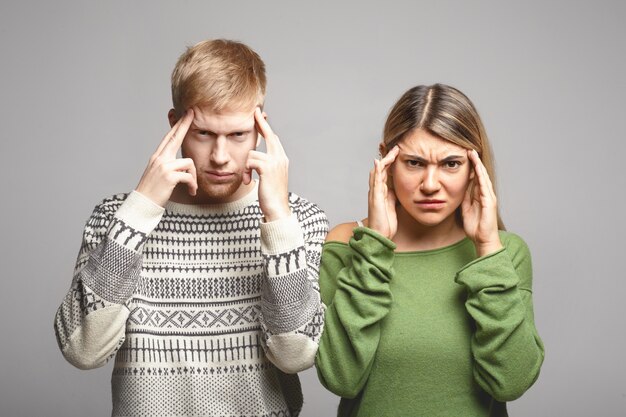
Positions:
{"x": 202, "y": 282}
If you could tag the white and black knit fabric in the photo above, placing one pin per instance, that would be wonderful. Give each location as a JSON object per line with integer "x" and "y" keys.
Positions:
{"x": 207, "y": 310}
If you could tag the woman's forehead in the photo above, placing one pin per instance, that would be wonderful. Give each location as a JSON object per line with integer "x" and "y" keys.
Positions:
{"x": 427, "y": 145}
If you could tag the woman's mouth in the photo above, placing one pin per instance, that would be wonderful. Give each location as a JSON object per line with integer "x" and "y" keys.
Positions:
{"x": 431, "y": 204}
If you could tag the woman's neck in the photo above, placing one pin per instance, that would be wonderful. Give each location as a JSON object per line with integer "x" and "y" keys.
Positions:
{"x": 414, "y": 236}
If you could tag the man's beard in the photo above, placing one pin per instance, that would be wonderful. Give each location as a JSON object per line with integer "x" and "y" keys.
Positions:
{"x": 214, "y": 193}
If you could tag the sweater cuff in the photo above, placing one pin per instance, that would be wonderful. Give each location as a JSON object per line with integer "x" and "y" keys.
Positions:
{"x": 370, "y": 235}
{"x": 374, "y": 249}
{"x": 134, "y": 221}
{"x": 140, "y": 213}
{"x": 491, "y": 271}
{"x": 282, "y": 235}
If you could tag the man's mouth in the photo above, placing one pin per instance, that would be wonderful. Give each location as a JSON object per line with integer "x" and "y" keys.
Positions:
{"x": 219, "y": 176}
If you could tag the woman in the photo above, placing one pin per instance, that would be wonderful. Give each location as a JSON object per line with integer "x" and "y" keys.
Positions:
{"x": 429, "y": 299}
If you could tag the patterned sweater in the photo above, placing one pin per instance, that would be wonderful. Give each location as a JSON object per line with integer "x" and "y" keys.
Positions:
{"x": 208, "y": 310}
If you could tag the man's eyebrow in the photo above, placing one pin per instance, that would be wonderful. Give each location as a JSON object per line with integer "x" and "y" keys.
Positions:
{"x": 228, "y": 132}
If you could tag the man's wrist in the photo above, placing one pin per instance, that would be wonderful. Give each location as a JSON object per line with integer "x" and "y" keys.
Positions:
{"x": 277, "y": 214}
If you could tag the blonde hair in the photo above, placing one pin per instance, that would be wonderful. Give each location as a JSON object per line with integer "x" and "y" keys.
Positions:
{"x": 442, "y": 111}
{"x": 219, "y": 74}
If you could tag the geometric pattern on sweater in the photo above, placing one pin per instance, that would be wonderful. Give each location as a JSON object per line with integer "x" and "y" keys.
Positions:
{"x": 77, "y": 304}
{"x": 198, "y": 288}
{"x": 193, "y": 318}
{"x": 108, "y": 278}
{"x": 242, "y": 349}
{"x": 313, "y": 329}
{"x": 182, "y": 393}
{"x": 282, "y": 315}
{"x": 200, "y": 295}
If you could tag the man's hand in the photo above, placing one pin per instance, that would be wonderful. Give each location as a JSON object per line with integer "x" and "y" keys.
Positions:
{"x": 165, "y": 171}
{"x": 273, "y": 170}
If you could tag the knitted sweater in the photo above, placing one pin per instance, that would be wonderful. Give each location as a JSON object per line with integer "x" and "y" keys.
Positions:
{"x": 427, "y": 333}
{"x": 207, "y": 310}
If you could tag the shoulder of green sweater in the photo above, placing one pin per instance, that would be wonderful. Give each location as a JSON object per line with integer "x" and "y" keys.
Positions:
{"x": 347, "y": 235}
{"x": 516, "y": 248}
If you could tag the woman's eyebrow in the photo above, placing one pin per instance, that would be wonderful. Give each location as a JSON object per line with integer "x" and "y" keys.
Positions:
{"x": 451, "y": 158}
{"x": 424, "y": 160}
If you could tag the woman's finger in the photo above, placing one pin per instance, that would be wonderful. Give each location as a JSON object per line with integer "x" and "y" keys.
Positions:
{"x": 479, "y": 171}
{"x": 390, "y": 157}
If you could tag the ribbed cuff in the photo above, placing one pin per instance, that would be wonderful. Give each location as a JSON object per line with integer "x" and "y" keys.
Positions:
{"x": 366, "y": 234}
{"x": 281, "y": 235}
{"x": 140, "y": 213}
{"x": 493, "y": 270}
{"x": 374, "y": 249}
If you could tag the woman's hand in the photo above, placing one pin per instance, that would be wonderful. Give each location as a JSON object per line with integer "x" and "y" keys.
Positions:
{"x": 480, "y": 211}
{"x": 381, "y": 210}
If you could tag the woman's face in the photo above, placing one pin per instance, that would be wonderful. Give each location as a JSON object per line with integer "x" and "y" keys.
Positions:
{"x": 430, "y": 177}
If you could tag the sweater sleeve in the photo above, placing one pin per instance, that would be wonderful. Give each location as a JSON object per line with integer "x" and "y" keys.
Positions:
{"x": 356, "y": 289}
{"x": 90, "y": 323}
{"x": 292, "y": 315}
{"x": 506, "y": 347}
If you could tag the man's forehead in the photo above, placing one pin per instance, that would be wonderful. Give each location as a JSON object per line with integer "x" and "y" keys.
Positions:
{"x": 223, "y": 120}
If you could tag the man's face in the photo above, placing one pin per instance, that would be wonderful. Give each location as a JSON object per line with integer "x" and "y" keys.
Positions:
{"x": 219, "y": 144}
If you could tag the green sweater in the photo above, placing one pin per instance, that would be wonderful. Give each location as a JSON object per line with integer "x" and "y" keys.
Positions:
{"x": 427, "y": 333}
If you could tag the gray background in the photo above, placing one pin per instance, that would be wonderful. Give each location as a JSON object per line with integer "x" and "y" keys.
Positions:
{"x": 85, "y": 92}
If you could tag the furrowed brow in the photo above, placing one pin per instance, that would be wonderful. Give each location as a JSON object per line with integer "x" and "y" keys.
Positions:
{"x": 414, "y": 157}
{"x": 451, "y": 158}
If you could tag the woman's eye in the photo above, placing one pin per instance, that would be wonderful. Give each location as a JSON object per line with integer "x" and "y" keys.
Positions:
{"x": 413, "y": 163}
{"x": 453, "y": 164}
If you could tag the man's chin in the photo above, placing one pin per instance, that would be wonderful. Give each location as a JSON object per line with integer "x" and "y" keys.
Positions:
{"x": 212, "y": 193}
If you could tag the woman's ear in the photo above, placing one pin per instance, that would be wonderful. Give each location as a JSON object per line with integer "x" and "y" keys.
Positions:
{"x": 382, "y": 149}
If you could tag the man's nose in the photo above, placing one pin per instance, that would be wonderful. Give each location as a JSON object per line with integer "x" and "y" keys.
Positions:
{"x": 430, "y": 181}
{"x": 219, "y": 152}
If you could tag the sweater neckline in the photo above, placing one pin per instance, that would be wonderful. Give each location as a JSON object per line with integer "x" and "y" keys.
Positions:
{"x": 221, "y": 208}
{"x": 436, "y": 251}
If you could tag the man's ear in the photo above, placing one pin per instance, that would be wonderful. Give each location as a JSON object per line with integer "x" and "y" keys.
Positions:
{"x": 171, "y": 116}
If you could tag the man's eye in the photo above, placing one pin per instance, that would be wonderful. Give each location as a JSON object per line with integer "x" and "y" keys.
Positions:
{"x": 239, "y": 134}
{"x": 203, "y": 132}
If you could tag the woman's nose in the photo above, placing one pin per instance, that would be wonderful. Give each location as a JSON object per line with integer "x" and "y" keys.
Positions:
{"x": 430, "y": 181}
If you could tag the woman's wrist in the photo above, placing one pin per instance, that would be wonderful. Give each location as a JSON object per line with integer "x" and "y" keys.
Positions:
{"x": 486, "y": 248}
